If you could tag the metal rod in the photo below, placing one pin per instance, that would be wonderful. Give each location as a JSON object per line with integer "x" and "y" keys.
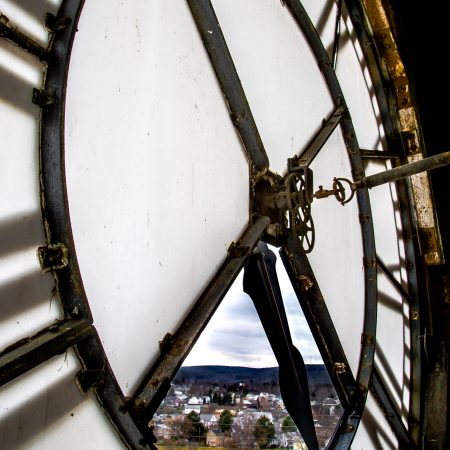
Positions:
{"x": 320, "y": 323}
{"x": 386, "y": 98}
{"x": 30, "y": 352}
{"x": 14, "y": 35}
{"x": 337, "y": 34}
{"x": 329, "y": 124}
{"x": 377, "y": 154}
{"x": 58, "y": 229}
{"x": 101, "y": 379}
{"x": 387, "y": 405}
{"x": 222, "y": 62}
{"x": 406, "y": 170}
{"x": 54, "y": 201}
{"x": 348, "y": 427}
{"x": 175, "y": 348}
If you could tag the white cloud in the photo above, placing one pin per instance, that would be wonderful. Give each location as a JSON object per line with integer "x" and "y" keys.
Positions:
{"x": 235, "y": 336}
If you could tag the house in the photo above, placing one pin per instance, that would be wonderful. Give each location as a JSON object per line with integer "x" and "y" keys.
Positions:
{"x": 195, "y": 401}
{"x": 217, "y": 438}
{"x": 209, "y": 420}
{"x": 190, "y": 408}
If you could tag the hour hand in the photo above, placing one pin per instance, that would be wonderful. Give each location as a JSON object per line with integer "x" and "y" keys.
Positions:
{"x": 261, "y": 284}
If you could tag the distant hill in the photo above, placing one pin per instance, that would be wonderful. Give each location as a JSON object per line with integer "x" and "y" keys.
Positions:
{"x": 317, "y": 375}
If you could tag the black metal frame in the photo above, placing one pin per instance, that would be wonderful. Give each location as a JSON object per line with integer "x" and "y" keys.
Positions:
{"x": 352, "y": 415}
{"x": 77, "y": 331}
{"x": 388, "y": 111}
{"x": 223, "y": 65}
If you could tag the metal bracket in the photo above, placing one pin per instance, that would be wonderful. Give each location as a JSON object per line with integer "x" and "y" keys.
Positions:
{"x": 86, "y": 379}
{"x": 339, "y": 368}
{"x": 53, "y": 257}
{"x": 43, "y": 98}
{"x": 53, "y": 24}
{"x": 238, "y": 251}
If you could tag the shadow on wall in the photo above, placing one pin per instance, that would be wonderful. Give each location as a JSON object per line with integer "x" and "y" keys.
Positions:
{"x": 39, "y": 412}
{"x": 37, "y": 8}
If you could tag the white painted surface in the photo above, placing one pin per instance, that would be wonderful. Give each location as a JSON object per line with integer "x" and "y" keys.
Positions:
{"x": 393, "y": 332}
{"x": 323, "y": 17}
{"x": 43, "y": 409}
{"x": 337, "y": 258}
{"x": 284, "y": 86}
{"x": 354, "y": 79}
{"x": 157, "y": 179}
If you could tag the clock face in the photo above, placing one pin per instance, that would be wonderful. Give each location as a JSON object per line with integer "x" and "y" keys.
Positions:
{"x": 156, "y": 132}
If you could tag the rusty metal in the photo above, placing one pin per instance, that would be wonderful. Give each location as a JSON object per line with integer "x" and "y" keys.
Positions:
{"x": 32, "y": 351}
{"x": 17, "y": 37}
{"x": 53, "y": 257}
{"x": 405, "y": 113}
{"x": 156, "y": 382}
{"x": 43, "y": 98}
{"x": 57, "y": 227}
{"x": 406, "y": 170}
{"x": 98, "y": 375}
{"x": 378, "y": 154}
{"x": 320, "y": 323}
{"x": 364, "y": 21}
{"x": 351, "y": 418}
{"x": 307, "y": 155}
{"x": 223, "y": 65}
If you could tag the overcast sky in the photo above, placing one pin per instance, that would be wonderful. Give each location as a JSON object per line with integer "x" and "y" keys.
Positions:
{"x": 235, "y": 337}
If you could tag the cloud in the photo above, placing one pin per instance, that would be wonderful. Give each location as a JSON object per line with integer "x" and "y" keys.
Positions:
{"x": 235, "y": 336}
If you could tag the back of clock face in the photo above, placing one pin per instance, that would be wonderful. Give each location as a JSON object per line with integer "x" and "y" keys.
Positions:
{"x": 135, "y": 138}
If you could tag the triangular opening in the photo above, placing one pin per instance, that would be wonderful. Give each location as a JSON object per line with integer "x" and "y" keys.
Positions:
{"x": 227, "y": 393}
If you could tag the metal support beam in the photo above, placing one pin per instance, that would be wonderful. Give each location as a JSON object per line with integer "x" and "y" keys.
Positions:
{"x": 307, "y": 155}
{"x": 98, "y": 375}
{"x": 14, "y": 35}
{"x": 175, "y": 348}
{"x": 222, "y": 62}
{"x": 406, "y": 170}
{"x": 378, "y": 154}
{"x": 320, "y": 323}
{"x": 30, "y": 352}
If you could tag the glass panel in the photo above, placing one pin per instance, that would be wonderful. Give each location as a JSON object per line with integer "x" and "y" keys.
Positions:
{"x": 157, "y": 179}
{"x": 284, "y": 86}
{"x": 44, "y": 409}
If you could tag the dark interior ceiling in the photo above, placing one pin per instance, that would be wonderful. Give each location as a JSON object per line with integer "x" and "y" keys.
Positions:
{"x": 422, "y": 34}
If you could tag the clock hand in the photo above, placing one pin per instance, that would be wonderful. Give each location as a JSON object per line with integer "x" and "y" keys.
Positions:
{"x": 261, "y": 283}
